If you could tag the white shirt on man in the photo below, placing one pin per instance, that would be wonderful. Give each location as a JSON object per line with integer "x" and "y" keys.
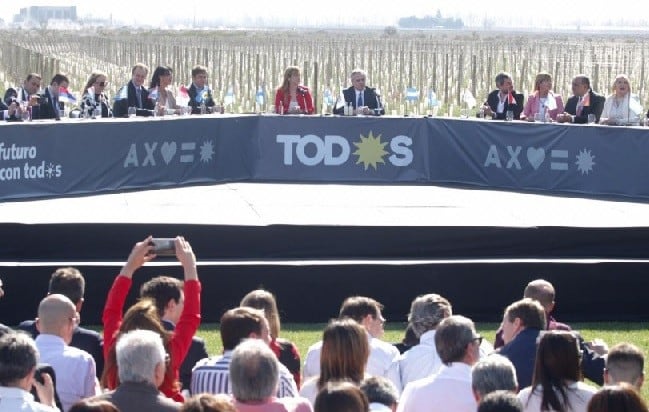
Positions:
{"x": 416, "y": 363}
{"x": 75, "y": 369}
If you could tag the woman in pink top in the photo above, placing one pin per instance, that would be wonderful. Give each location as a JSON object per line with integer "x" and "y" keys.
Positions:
{"x": 543, "y": 100}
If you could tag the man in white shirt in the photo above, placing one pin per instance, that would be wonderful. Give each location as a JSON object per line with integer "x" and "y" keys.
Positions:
{"x": 367, "y": 312}
{"x": 458, "y": 346}
{"x": 75, "y": 369}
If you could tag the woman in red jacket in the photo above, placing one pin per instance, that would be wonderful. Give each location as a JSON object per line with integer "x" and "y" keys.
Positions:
{"x": 291, "y": 97}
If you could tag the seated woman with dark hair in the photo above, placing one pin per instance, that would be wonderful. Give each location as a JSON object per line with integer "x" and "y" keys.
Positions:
{"x": 94, "y": 96}
{"x": 158, "y": 90}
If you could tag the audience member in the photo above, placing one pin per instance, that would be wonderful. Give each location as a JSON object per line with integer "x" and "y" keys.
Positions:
{"x": 134, "y": 94}
{"x": 543, "y": 102}
{"x": 145, "y": 312}
{"x": 199, "y": 92}
{"x": 522, "y": 323}
{"x": 381, "y": 394}
{"x": 88, "y": 405}
{"x": 18, "y": 360}
{"x": 159, "y": 89}
{"x": 94, "y": 97}
{"x": 458, "y": 346}
{"x": 167, "y": 294}
{"x": 367, "y": 312}
{"x": 621, "y": 107}
{"x": 341, "y": 397}
{"x": 285, "y": 350}
{"x": 624, "y": 363}
{"x": 343, "y": 357}
{"x": 504, "y": 99}
{"x": 500, "y": 401}
{"x": 619, "y": 398}
{"x": 254, "y": 372}
{"x": 75, "y": 368}
{"x": 69, "y": 282}
{"x": 583, "y": 103}
{"x": 491, "y": 374}
{"x": 141, "y": 364}
{"x": 364, "y": 100}
{"x": 426, "y": 312}
{"x": 212, "y": 375}
{"x": 292, "y": 97}
{"x": 207, "y": 402}
{"x": 557, "y": 376}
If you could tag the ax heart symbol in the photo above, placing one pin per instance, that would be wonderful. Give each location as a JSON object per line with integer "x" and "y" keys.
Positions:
{"x": 535, "y": 157}
{"x": 168, "y": 151}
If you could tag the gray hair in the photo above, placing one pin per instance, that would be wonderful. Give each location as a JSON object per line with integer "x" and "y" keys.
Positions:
{"x": 500, "y": 401}
{"x": 254, "y": 371}
{"x": 18, "y": 357}
{"x": 452, "y": 337}
{"x": 138, "y": 353}
{"x": 358, "y": 71}
{"x": 493, "y": 373}
{"x": 427, "y": 311}
{"x": 380, "y": 390}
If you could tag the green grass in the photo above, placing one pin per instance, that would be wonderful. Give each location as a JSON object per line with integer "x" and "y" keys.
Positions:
{"x": 305, "y": 334}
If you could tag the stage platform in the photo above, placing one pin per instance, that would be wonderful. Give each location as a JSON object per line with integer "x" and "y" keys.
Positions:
{"x": 313, "y": 245}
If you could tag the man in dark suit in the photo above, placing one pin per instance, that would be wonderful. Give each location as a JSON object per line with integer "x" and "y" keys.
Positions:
{"x": 360, "y": 96}
{"x": 49, "y": 104}
{"x": 199, "y": 92}
{"x": 583, "y": 102}
{"x": 503, "y": 99}
{"x": 167, "y": 293}
{"x": 70, "y": 282}
{"x": 134, "y": 94}
{"x": 27, "y": 93}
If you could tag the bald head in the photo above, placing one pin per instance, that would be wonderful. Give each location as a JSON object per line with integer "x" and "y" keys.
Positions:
{"x": 56, "y": 316}
{"x": 541, "y": 291}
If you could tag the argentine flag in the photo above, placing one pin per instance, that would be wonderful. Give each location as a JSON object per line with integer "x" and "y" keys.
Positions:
{"x": 122, "y": 94}
{"x": 260, "y": 97}
{"x": 412, "y": 94}
{"x": 327, "y": 97}
{"x": 431, "y": 99}
{"x": 467, "y": 97}
{"x": 229, "y": 96}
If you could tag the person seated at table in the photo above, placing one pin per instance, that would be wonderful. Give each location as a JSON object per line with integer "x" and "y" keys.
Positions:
{"x": 621, "y": 107}
{"x": 94, "y": 96}
{"x": 49, "y": 104}
{"x": 160, "y": 81}
{"x": 199, "y": 92}
{"x": 504, "y": 98}
{"x": 134, "y": 94}
{"x": 543, "y": 100}
{"x": 360, "y": 96}
{"x": 583, "y": 103}
{"x": 292, "y": 97}
{"x": 10, "y": 112}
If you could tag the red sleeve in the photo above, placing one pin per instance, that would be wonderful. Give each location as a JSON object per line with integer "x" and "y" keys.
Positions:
{"x": 308, "y": 100}
{"x": 112, "y": 316}
{"x": 188, "y": 323}
{"x": 279, "y": 97}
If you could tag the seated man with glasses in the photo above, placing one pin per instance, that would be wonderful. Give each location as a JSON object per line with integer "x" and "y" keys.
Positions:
{"x": 75, "y": 369}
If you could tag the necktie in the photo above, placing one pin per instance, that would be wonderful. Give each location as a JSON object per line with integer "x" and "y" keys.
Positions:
{"x": 359, "y": 103}
{"x": 580, "y": 106}
{"x": 139, "y": 97}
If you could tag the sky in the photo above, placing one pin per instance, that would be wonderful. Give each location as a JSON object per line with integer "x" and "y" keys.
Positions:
{"x": 552, "y": 13}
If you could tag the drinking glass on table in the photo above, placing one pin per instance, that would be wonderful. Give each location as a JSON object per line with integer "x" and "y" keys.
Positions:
{"x": 132, "y": 111}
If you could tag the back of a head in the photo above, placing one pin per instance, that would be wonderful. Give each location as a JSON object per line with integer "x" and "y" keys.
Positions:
{"x": 380, "y": 390}
{"x": 68, "y": 281}
{"x": 207, "y": 402}
{"x": 55, "y": 312}
{"x": 540, "y": 290}
{"x": 452, "y": 337}
{"x": 143, "y": 315}
{"x": 345, "y": 349}
{"x": 358, "y": 307}
{"x": 493, "y": 373}
{"x": 340, "y": 397}
{"x": 427, "y": 311}
{"x": 138, "y": 353}
{"x": 161, "y": 290}
{"x": 618, "y": 398}
{"x": 90, "y": 405}
{"x": 625, "y": 363}
{"x": 254, "y": 371}
{"x": 500, "y": 401}
{"x": 529, "y": 311}
{"x": 264, "y": 300}
{"x": 18, "y": 357}
{"x": 238, "y": 323}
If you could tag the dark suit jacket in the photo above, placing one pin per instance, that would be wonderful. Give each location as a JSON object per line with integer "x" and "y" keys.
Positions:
{"x": 196, "y": 352}
{"x": 596, "y": 107}
{"x": 82, "y": 338}
{"x": 120, "y": 107}
{"x": 47, "y": 108}
{"x": 139, "y": 397}
{"x": 370, "y": 99}
{"x": 196, "y": 107}
{"x": 493, "y": 100}
{"x": 522, "y": 352}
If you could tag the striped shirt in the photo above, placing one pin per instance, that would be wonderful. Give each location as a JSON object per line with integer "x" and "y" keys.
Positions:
{"x": 212, "y": 375}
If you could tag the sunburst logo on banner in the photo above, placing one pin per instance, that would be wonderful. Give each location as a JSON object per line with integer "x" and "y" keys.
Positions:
{"x": 370, "y": 150}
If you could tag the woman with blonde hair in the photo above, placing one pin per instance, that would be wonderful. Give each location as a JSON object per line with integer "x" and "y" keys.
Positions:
{"x": 285, "y": 350}
{"x": 621, "y": 107}
{"x": 345, "y": 349}
{"x": 292, "y": 97}
{"x": 543, "y": 100}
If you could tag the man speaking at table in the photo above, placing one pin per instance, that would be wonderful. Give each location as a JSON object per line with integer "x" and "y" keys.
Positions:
{"x": 360, "y": 96}
{"x": 134, "y": 94}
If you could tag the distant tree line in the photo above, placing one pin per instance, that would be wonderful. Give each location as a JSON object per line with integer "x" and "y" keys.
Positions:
{"x": 430, "y": 22}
